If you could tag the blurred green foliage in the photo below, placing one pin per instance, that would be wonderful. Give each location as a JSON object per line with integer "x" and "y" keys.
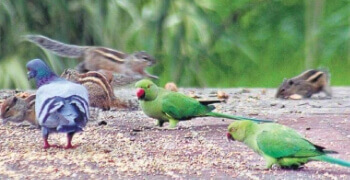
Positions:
{"x": 215, "y": 43}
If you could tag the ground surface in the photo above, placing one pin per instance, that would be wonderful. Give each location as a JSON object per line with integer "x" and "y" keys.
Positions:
{"x": 128, "y": 148}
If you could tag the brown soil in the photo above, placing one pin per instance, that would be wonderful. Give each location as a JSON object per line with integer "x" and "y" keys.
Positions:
{"x": 130, "y": 147}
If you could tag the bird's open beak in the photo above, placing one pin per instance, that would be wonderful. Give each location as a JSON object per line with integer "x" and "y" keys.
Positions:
{"x": 30, "y": 75}
{"x": 140, "y": 93}
{"x": 229, "y": 137}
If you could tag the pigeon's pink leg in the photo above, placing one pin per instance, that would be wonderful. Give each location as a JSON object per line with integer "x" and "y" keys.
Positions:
{"x": 69, "y": 141}
{"x": 46, "y": 143}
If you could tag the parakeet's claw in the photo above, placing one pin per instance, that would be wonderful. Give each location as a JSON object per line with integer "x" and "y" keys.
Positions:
{"x": 292, "y": 167}
{"x": 173, "y": 123}
{"x": 274, "y": 166}
{"x": 171, "y": 128}
{"x": 270, "y": 162}
{"x": 159, "y": 123}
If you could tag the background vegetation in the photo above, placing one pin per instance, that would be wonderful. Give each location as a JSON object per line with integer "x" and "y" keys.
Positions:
{"x": 216, "y": 43}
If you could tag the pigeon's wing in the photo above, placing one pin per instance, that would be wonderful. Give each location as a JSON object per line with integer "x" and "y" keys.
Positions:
{"x": 68, "y": 99}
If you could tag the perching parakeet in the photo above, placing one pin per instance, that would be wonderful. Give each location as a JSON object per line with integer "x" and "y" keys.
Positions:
{"x": 279, "y": 144}
{"x": 172, "y": 107}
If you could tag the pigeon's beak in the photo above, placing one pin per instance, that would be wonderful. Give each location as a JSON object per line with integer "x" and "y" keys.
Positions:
{"x": 30, "y": 75}
{"x": 229, "y": 137}
{"x": 140, "y": 93}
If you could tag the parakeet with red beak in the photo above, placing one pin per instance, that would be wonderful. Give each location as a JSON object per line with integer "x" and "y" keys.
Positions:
{"x": 279, "y": 144}
{"x": 172, "y": 107}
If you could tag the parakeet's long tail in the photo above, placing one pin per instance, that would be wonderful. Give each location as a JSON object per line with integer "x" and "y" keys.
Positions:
{"x": 215, "y": 114}
{"x": 331, "y": 160}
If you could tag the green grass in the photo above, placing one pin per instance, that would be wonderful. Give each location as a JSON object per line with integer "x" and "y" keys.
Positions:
{"x": 213, "y": 43}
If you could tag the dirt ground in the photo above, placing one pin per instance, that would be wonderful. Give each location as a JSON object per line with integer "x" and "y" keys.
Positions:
{"x": 129, "y": 147}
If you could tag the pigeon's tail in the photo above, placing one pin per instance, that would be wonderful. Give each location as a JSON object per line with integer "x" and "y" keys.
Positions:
{"x": 332, "y": 160}
{"x": 215, "y": 114}
{"x": 76, "y": 117}
{"x": 70, "y": 112}
{"x": 59, "y": 48}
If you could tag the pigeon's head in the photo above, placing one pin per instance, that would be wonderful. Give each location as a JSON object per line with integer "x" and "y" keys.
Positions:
{"x": 40, "y": 71}
{"x": 238, "y": 130}
{"x": 37, "y": 68}
{"x": 146, "y": 90}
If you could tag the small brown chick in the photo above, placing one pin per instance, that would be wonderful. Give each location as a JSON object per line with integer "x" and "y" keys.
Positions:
{"x": 306, "y": 84}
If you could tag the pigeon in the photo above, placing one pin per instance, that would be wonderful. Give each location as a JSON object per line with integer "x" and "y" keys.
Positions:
{"x": 60, "y": 105}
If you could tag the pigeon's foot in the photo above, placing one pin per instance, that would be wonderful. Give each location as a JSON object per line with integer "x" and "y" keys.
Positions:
{"x": 70, "y": 146}
{"x": 69, "y": 141}
{"x": 47, "y": 146}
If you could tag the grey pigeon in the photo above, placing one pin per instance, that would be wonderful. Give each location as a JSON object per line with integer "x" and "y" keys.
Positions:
{"x": 60, "y": 105}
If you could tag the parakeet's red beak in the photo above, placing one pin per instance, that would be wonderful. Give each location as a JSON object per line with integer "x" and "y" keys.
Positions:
{"x": 140, "y": 93}
{"x": 229, "y": 137}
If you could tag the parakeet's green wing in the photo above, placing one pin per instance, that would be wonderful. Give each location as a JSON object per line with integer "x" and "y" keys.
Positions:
{"x": 279, "y": 143}
{"x": 182, "y": 107}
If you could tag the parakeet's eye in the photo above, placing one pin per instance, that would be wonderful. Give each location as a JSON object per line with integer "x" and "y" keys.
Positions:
{"x": 149, "y": 86}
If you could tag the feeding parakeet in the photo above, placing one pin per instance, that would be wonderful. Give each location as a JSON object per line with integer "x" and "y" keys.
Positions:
{"x": 279, "y": 144}
{"x": 172, "y": 107}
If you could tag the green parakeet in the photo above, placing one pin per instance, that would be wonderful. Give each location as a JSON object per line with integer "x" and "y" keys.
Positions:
{"x": 172, "y": 107}
{"x": 279, "y": 144}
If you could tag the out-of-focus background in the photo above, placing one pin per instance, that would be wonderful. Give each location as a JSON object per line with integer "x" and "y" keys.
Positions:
{"x": 205, "y": 43}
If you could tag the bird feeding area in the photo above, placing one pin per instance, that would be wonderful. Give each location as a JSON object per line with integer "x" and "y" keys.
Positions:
{"x": 130, "y": 146}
